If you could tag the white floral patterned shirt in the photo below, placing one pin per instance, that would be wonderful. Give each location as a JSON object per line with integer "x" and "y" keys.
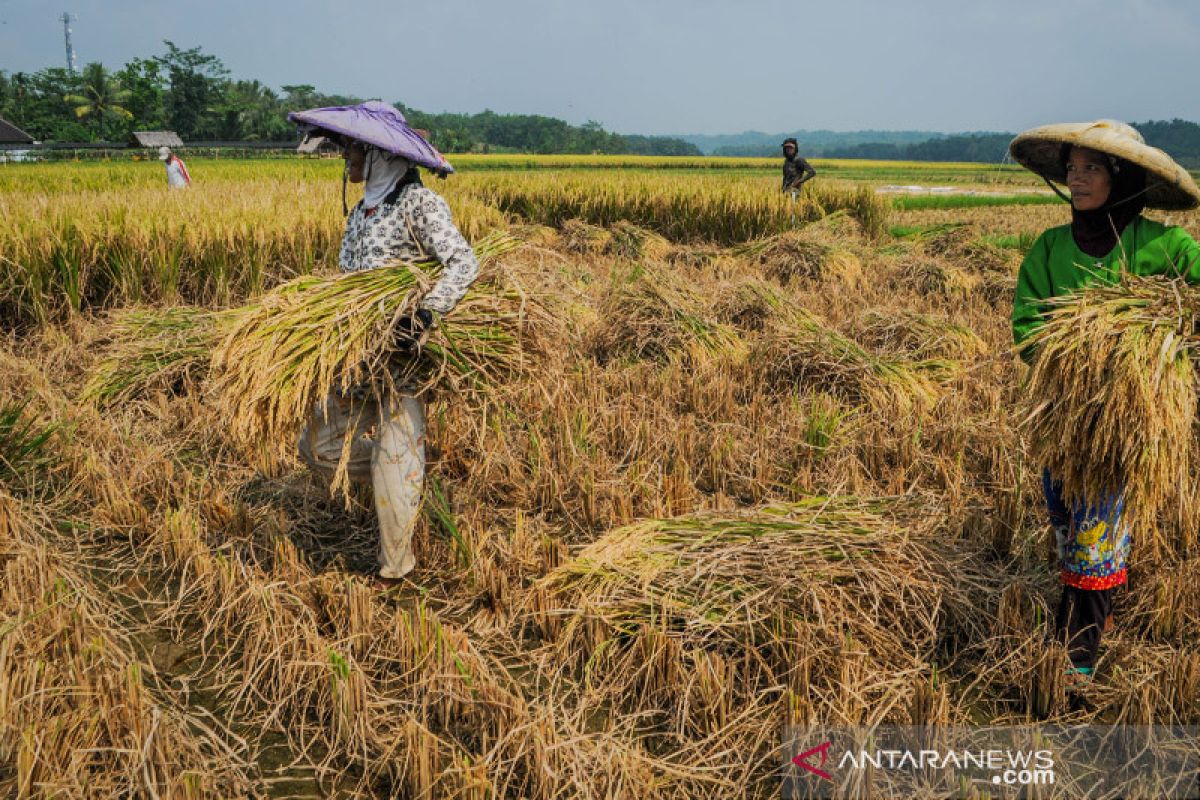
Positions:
{"x": 417, "y": 226}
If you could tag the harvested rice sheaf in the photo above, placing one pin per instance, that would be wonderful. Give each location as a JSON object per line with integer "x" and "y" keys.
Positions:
{"x": 936, "y": 276}
{"x": 630, "y": 241}
{"x": 157, "y": 349}
{"x": 581, "y": 237}
{"x": 315, "y": 334}
{"x": 813, "y": 255}
{"x": 967, "y": 243}
{"x": 918, "y": 335}
{"x": 798, "y": 348}
{"x": 749, "y": 303}
{"x": 1112, "y": 397}
{"x": 654, "y": 313}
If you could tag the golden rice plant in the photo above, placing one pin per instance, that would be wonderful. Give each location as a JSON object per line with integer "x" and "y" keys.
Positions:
{"x": 79, "y": 238}
{"x": 683, "y": 207}
{"x": 23, "y": 441}
{"x": 1111, "y": 398}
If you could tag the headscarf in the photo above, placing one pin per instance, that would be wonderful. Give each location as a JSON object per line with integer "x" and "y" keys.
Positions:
{"x": 382, "y": 173}
{"x": 1097, "y": 232}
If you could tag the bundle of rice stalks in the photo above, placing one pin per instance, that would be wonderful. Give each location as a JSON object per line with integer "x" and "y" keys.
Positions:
{"x": 919, "y": 335}
{"x": 1112, "y": 397}
{"x": 965, "y": 243}
{"x": 157, "y": 350}
{"x": 795, "y": 255}
{"x": 936, "y": 276}
{"x": 749, "y": 304}
{"x": 838, "y": 226}
{"x": 309, "y": 336}
{"x": 781, "y": 594}
{"x": 998, "y": 288}
{"x": 630, "y": 241}
{"x": 654, "y": 314}
{"x": 537, "y": 235}
{"x": 580, "y": 237}
{"x": 798, "y": 349}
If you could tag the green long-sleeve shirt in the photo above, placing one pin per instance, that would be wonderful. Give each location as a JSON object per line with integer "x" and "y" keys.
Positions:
{"x": 1056, "y": 266}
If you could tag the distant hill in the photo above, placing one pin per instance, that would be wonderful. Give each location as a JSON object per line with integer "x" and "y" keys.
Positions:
{"x": 757, "y": 143}
{"x": 977, "y": 147}
{"x": 1178, "y": 137}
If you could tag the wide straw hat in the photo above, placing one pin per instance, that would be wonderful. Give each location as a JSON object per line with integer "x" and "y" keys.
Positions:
{"x": 1169, "y": 186}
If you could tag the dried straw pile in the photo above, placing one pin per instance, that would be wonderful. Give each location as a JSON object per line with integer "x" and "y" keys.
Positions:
{"x": 779, "y": 597}
{"x": 1112, "y": 396}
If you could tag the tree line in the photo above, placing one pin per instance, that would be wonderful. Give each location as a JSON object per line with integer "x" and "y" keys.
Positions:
{"x": 191, "y": 92}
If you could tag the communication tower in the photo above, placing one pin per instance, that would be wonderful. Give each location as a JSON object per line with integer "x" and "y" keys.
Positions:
{"x": 66, "y": 21}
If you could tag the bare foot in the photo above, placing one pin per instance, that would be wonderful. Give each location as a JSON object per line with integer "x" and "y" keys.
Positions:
{"x": 384, "y": 585}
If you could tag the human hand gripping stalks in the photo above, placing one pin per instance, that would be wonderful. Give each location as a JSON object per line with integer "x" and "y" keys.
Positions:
{"x": 1111, "y": 398}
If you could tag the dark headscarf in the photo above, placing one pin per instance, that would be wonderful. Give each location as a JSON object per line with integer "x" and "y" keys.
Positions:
{"x": 1098, "y": 231}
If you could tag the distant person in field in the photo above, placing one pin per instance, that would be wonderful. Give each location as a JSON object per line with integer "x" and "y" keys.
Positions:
{"x": 796, "y": 171}
{"x": 398, "y": 220}
{"x": 1111, "y": 175}
{"x": 177, "y": 173}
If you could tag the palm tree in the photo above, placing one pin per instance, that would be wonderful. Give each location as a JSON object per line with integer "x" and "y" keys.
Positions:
{"x": 251, "y": 111}
{"x": 100, "y": 97}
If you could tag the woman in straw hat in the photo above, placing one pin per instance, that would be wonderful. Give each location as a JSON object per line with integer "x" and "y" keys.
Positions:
{"x": 398, "y": 220}
{"x": 1112, "y": 175}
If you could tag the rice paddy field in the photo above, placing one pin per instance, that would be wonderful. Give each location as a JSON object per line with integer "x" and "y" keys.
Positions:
{"x": 749, "y": 463}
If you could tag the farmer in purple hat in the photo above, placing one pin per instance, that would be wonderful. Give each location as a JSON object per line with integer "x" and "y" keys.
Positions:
{"x": 398, "y": 219}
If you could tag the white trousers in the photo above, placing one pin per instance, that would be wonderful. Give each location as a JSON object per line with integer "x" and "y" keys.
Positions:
{"x": 387, "y": 447}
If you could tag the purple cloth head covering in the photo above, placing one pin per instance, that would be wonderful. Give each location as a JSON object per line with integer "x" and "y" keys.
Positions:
{"x": 377, "y": 124}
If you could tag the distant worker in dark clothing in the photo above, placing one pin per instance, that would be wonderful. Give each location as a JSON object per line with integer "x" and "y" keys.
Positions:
{"x": 796, "y": 171}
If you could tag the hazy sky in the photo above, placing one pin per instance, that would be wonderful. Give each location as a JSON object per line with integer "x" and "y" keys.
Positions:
{"x": 668, "y": 66}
